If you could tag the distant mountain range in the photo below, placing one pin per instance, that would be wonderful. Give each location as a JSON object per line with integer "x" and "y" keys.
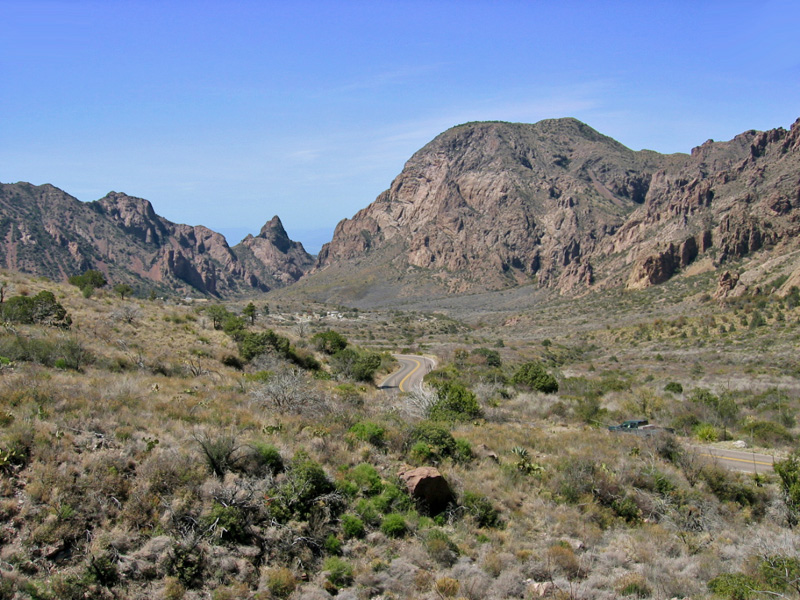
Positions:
{"x": 45, "y": 231}
{"x": 484, "y": 206}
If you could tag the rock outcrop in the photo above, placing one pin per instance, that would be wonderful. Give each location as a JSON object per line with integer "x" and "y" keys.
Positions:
{"x": 272, "y": 257}
{"x": 428, "y": 488}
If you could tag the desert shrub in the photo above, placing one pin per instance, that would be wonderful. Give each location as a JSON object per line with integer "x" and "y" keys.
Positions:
{"x": 355, "y": 364}
{"x": 492, "y": 357}
{"x": 392, "y": 499}
{"x": 368, "y": 431}
{"x": 268, "y": 457}
{"x": 352, "y": 526}
{"x": 729, "y": 487}
{"x": 41, "y": 308}
{"x": 685, "y": 423}
{"x": 447, "y": 587}
{"x": 441, "y": 548}
{"x": 788, "y": 471}
{"x": 394, "y": 525}
{"x": 733, "y": 586}
{"x": 340, "y": 572}
{"x": 366, "y": 479}
{"x": 780, "y": 572}
{"x": 562, "y": 559}
{"x": 281, "y": 582}
{"x": 186, "y": 561}
{"x": 534, "y": 376}
{"x": 634, "y": 585}
{"x": 330, "y": 342}
{"x": 253, "y": 344}
{"x": 333, "y": 545}
{"x": 88, "y": 281}
{"x": 305, "y": 482}
{"x": 455, "y": 403}
{"x": 481, "y": 510}
{"x": 220, "y": 451}
{"x": 767, "y": 433}
{"x": 432, "y": 442}
{"x": 366, "y": 510}
{"x": 706, "y": 432}
{"x": 674, "y": 387}
{"x": 229, "y": 521}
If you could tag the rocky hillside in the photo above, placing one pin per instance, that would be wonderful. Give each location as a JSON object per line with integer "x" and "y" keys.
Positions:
{"x": 491, "y": 205}
{"x": 272, "y": 257}
{"x": 45, "y": 231}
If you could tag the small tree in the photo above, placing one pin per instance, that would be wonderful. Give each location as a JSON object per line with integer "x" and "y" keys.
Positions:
{"x": 534, "y": 376}
{"x": 789, "y": 472}
{"x": 123, "y": 289}
{"x": 330, "y": 341}
{"x": 88, "y": 281}
{"x": 250, "y": 312}
{"x": 217, "y": 314}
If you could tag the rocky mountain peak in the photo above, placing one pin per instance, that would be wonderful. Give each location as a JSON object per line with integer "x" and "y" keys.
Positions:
{"x": 489, "y": 205}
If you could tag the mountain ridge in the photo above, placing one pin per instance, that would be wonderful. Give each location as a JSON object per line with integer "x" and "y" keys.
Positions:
{"x": 483, "y": 206}
{"x": 45, "y": 231}
{"x": 492, "y": 205}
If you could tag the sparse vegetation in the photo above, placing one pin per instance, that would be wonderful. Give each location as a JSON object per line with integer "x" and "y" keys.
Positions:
{"x": 137, "y": 457}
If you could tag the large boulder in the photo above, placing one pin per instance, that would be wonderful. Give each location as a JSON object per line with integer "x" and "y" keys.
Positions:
{"x": 428, "y": 488}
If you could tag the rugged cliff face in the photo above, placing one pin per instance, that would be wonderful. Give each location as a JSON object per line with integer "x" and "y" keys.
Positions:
{"x": 272, "y": 257}
{"x": 490, "y": 205}
{"x": 48, "y": 232}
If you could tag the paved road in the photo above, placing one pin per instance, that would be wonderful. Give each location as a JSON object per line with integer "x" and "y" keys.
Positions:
{"x": 412, "y": 369}
{"x": 738, "y": 460}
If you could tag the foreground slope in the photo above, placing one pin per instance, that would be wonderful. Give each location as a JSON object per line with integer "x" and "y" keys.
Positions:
{"x": 45, "y": 231}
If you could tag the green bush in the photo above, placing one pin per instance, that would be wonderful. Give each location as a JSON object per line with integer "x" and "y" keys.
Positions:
{"x": 333, "y": 545}
{"x": 41, "y": 308}
{"x": 441, "y": 548}
{"x": 705, "y": 432}
{"x": 534, "y": 376}
{"x": 369, "y": 432}
{"x": 766, "y": 433}
{"x": 329, "y": 342}
{"x": 305, "y": 482}
{"x": 229, "y": 521}
{"x": 733, "y": 586}
{"x": 674, "y": 387}
{"x": 437, "y": 438}
{"x": 394, "y": 525}
{"x": 480, "y": 508}
{"x": 455, "y": 403}
{"x": 88, "y": 281}
{"x": 366, "y": 479}
{"x": 268, "y": 457}
{"x": 392, "y": 499}
{"x": 352, "y": 526}
{"x": 340, "y": 572}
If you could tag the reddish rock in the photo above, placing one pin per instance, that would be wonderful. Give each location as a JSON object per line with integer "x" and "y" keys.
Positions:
{"x": 428, "y": 488}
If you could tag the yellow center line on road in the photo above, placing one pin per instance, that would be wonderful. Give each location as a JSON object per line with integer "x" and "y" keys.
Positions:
{"x": 744, "y": 460}
{"x": 414, "y": 370}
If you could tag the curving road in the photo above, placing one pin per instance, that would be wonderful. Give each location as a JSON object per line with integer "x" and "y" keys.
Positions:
{"x": 737, "y": 460}
{"x": 413, "y": 368}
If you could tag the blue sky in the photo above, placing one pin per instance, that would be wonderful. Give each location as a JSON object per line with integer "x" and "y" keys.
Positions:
{"x": 224, "y": 113}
